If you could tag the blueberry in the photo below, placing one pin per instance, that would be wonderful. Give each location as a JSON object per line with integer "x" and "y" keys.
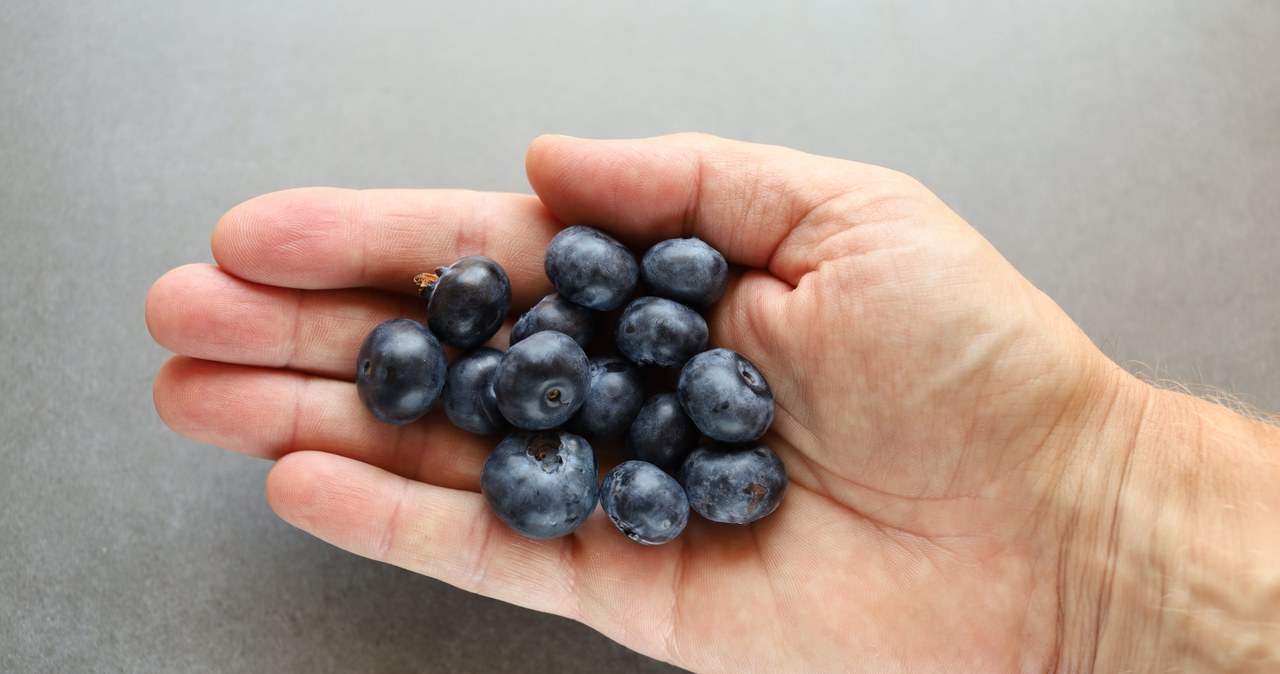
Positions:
{"x": 662, "y": 433}
{"x": 591, "y": 268}
{"x": 554, "y": 312}
{"x": 400, "y": 370}
{"x": 542, "y": 484}
{"x": 469, "y": 401}
{"x": 614, "y": 396}
{"x": 726, "y": 396}
{"x": 645, "y": 503}
{"x": 658, "y": 331}
{"x": 736, "y": 485}
{"x": 542, "y": 381}
{"x": 685, "y": 270}
{"x": 467, "y": 301}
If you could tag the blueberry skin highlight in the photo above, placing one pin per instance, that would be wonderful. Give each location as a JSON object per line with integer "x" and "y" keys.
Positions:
{"x": 685, "y": 270}
{"x": 591, "y": 268}
{"x": 469, "y": 401}
{"x": 400, "y": 370}
{"x": 542, "y": 484}
{"x": 645, "y": 503}
{"x": 468, "y": 302}
{"x": 614, "y": 396}
{"x": 662, "y": 434}
{"x": 554, "y": 312}
{"x": 726, "y": 396}
{"x": 735, "y": 485}
{"x": 542, "y": 381}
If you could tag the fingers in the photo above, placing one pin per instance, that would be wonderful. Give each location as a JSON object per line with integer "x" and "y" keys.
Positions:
{"x": 432, "y": 530}
{"x": 201, "y": 311}
{"x": 760, "y": 205}
{"x": 270, "y": 413}
{"x": 333, "y": 238}
{"x": 595, "y": 575}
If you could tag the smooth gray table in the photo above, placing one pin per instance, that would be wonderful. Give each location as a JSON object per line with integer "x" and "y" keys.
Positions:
{"x": 1125, "y": 156}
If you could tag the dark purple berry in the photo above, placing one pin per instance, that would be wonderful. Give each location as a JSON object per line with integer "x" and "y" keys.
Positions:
{"x": 400, "y": 370}
{"x": 726, "y": 396}
{"x": 614, "y": 396}
{"x": 662, "y": 433}
{"x": 554, "y": 312}
{"x": 685, "y": 270}
{"x": 591, "y": 268}
{"x": 468, "y": 301}
{"x": 542, "y": 381}
{"x": 469, "y": 401}
{"x": 736, "y": 485}
{"x": 646, "y": 504}
{"x": 542, "y": 484}
{"x": 658, "y": 331}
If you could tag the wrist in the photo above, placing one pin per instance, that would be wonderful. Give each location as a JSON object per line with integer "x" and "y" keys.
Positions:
{"x": 1170, "y": 557}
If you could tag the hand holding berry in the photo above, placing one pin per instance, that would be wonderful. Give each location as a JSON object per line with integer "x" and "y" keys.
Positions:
{"x": 952, "y": 440}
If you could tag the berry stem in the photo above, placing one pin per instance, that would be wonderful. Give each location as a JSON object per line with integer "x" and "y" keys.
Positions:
{"x": 424, "y": 281}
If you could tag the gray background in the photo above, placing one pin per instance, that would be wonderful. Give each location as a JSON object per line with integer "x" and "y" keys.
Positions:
{"x": 1124, "y": 155}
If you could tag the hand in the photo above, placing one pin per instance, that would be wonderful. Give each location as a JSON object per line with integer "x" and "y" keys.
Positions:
{"x": 934, "y": 409}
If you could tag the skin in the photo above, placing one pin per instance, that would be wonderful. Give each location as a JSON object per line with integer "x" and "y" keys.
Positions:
{"x": 974, "y": 486}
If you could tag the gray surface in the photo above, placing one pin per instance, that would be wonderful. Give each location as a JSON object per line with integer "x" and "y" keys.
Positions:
{"x": 1126, "y": 159}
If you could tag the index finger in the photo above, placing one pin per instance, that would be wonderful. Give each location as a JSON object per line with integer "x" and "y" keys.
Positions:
{"x": 320, "y": 237}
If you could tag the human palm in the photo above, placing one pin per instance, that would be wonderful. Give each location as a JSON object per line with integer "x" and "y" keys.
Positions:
{"x": 927, "y": 396}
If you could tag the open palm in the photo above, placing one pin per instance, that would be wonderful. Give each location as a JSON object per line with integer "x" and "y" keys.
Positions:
{"x": 927, "y": 401}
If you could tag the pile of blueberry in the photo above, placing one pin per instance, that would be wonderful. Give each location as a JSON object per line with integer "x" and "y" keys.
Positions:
{"x": 695, "y": 447}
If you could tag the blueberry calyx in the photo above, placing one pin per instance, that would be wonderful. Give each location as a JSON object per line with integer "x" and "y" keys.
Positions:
{"x": 426, "y": 281}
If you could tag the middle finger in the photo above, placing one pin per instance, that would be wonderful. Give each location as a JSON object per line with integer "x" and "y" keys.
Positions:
{"x": 268, "y": 413}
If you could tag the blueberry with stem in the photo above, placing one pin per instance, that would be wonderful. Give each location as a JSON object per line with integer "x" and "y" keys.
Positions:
{"x": 466, "y": 301}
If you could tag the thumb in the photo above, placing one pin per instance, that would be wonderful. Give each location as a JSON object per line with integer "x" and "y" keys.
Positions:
{"x": 761, "y": 206}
